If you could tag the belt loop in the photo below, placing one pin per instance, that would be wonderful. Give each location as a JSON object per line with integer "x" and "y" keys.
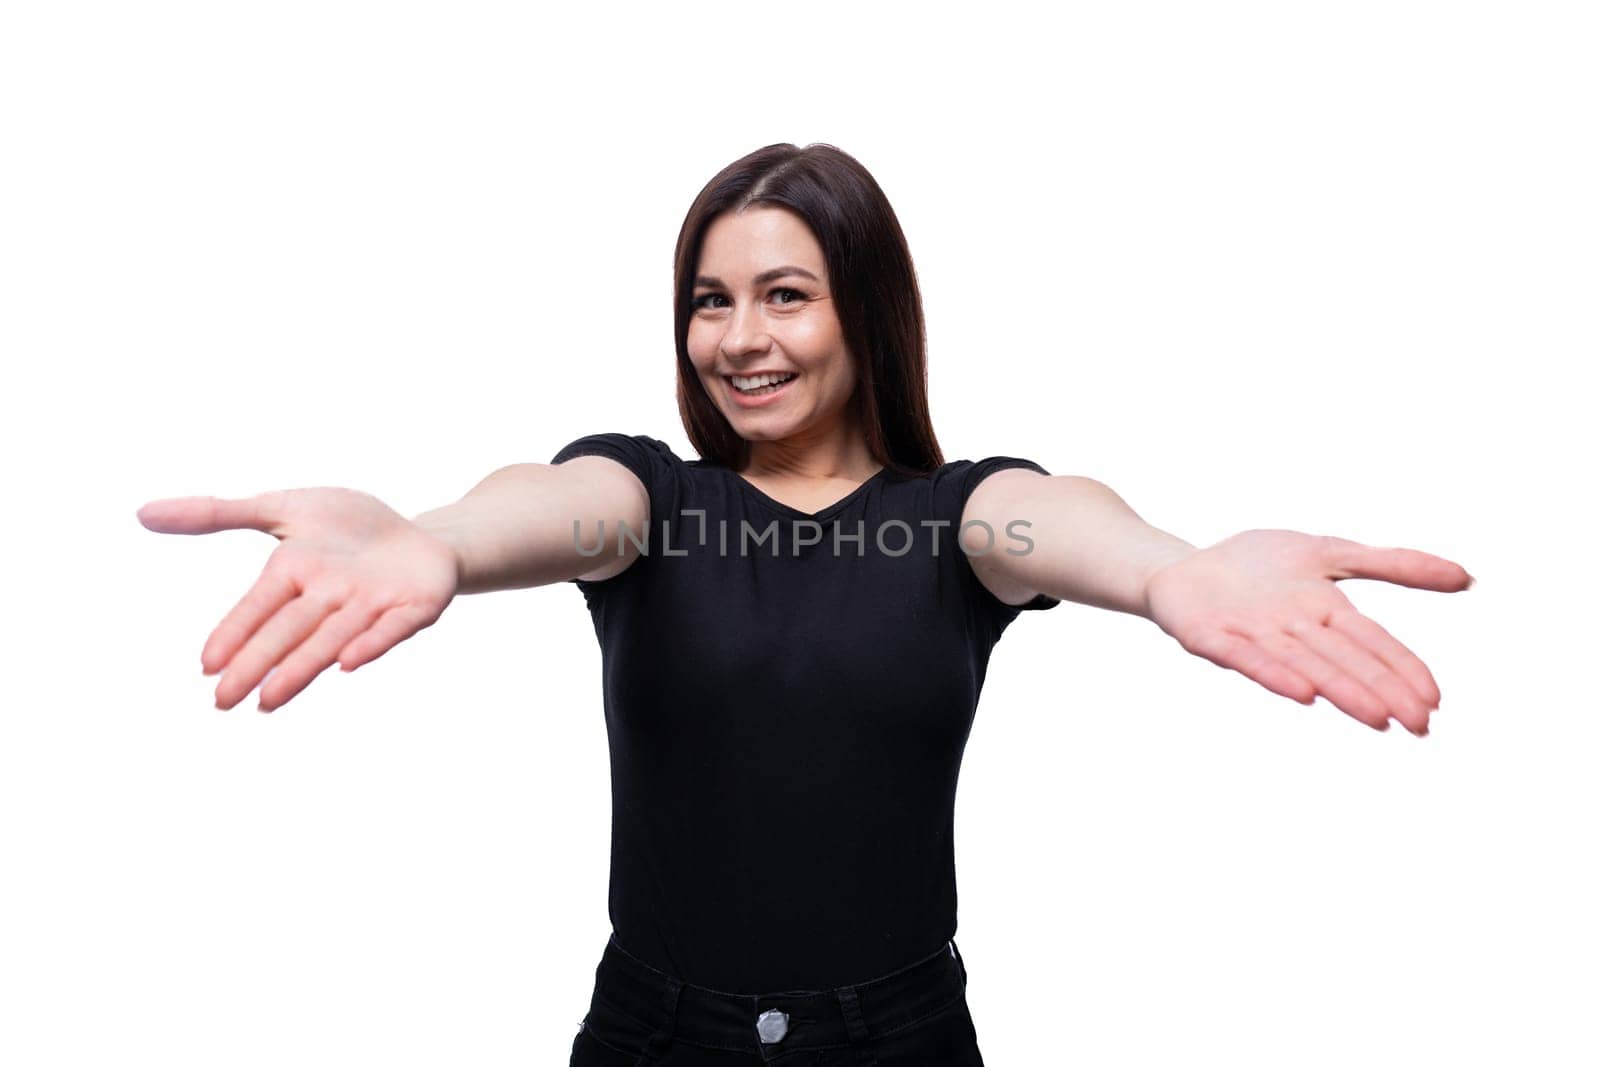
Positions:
{"x": 656, "y": 1047}
{"x": 860, "y": 1038}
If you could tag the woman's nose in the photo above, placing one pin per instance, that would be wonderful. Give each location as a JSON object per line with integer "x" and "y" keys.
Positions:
{"x": 745, "y": 332}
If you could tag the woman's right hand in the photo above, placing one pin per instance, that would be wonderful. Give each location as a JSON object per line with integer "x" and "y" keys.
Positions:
{"x": 349, "y": 580}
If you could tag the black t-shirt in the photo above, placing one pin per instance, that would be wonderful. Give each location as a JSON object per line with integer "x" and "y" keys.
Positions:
{"x": 786, "y": 723}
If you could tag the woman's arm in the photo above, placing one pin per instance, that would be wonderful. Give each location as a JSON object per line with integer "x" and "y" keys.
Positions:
{"x": 514, "y": 529}
{"x": 351, "y": 578}
{"x": 1089, "y": 546}
{"x": 1262, "y": 602}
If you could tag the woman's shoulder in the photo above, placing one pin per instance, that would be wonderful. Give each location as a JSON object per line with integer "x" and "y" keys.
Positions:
{"x": 633, "y": 442}
{"x": 650, "y": 459}
{"x": 959, "y": 477}
{"x": 636, "y": 450}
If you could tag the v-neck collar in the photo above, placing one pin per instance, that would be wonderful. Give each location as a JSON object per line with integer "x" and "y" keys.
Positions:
{"x": 750, "y": 489}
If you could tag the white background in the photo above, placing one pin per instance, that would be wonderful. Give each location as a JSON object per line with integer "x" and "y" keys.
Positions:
{"x": 1323, "y": 267}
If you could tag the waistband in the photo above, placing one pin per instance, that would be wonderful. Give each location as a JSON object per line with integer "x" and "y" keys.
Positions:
{"x": 774, "y": 1024}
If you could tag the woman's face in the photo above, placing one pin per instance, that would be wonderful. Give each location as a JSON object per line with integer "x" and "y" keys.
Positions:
{"x": 762, "y": 304}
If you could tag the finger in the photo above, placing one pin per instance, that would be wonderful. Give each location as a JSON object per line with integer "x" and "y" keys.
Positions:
{"x": 209, "y": 514}
{"x": 1367, "y": 669}
{"x": 392, "y": 627}
{"x": 315, "y": 654}
{"x": 276, "y": 638}
{"x": 1383, "y": 644}
{"x": 1343, "y": 691}
{"x": 272, "y": 591}
{"x": 1238, "y": 653}
{"x": 1403, "y": 566}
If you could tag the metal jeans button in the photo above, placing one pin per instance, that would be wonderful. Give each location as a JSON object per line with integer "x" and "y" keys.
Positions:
{"x": 772, "y": 1025}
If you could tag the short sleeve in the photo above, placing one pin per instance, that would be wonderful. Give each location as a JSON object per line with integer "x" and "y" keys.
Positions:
{"x": 651, "y": 461}
{"x": 967, "y": 480}
{"x": 646, "y": 457}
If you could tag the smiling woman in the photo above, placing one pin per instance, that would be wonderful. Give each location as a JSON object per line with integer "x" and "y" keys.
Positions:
{"x": 787, "y": 700}
{"x": 770, "y": 352}
{"x": 792, "y": 262}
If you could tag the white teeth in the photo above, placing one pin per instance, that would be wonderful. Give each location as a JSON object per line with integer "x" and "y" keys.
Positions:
{"x": 759, "y": 380}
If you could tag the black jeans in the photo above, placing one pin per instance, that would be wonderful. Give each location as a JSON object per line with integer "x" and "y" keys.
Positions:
{"x": 642, "y": 1017}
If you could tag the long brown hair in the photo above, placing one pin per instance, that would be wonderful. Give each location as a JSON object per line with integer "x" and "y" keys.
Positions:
{"x": 874, "y": 293}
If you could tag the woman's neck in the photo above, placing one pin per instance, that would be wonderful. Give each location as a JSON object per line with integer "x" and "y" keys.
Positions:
{"x": 839, "y": 454}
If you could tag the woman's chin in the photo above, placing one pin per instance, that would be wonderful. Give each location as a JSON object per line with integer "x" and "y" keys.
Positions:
{"x": 758, "y": 429}
{"x": 767, "y": 419}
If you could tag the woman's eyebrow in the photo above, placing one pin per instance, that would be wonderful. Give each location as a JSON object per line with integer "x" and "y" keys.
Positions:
{"x": 760, "y": 279}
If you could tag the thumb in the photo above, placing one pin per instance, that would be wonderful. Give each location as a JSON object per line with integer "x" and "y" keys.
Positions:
{"x": 1402, "y": 566}
{"x": 208, "y": 514}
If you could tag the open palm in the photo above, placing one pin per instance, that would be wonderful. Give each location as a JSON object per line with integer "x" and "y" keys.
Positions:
{"x": 350, "y": 579}
{"x": 1263, "y": 603}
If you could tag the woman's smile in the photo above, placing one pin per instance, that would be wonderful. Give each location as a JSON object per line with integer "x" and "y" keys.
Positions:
{"x": 763, "y": 333}
{"x": 758, "y": 390}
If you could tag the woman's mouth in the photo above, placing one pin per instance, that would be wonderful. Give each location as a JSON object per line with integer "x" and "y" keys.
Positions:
{"x": 758, "y": 388}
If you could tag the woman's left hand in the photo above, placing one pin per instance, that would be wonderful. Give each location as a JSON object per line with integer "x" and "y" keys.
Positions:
{"x": 1263, "y": 603}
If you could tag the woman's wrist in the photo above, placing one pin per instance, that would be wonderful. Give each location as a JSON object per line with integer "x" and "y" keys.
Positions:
{"x": 1161, "y": 557}
{"x": 445, "y": 526}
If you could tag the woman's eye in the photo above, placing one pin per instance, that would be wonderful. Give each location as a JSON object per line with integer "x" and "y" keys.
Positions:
{"x": 704, "y": 300}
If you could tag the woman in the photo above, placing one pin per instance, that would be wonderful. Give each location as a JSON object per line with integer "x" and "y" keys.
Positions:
{"x": 795, "y": 629}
